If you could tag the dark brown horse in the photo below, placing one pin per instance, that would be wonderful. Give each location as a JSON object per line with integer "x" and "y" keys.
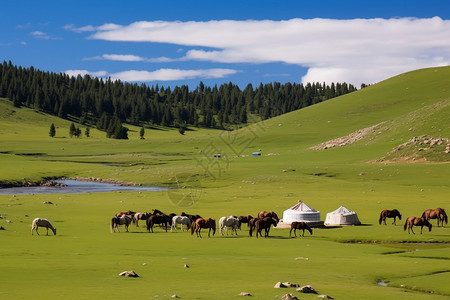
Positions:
{"x": 301, "y": 226}
{"x": 158, "y": 219}
{"x": 251, "y": 225}
{"x": 389, "y": 214}
{"x": 245, "y": 219}
{"x": 203, "y": 223}
{"x": 123, "y": 213}
{"x": 269, "y": 214}
{"x": 265, "y": 223}
{"x": 192, "y": 217}
{"x": 438, "y": 213}
{"x": 413, "y": 221}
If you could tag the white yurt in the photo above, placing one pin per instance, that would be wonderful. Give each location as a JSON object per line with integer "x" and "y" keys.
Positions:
{"x": 341, "y": 216}
{"x": 301, "y": 212}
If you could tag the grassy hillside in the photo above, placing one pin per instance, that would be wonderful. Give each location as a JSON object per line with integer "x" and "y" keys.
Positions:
{"x": 366, "y": 176}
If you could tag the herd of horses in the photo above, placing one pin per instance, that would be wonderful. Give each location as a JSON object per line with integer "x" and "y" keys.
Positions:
{"x": 424, "y": 220}
{"x": 264, "y": 221}
{"x": 195, "y": 223}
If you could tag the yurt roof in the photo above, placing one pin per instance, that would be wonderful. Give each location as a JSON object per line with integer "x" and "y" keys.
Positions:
{"x": 342, "y": 210}
{"x": 302, "y": 207}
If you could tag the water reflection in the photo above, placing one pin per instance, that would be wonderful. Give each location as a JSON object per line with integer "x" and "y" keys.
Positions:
{"x": 77, "y": 187}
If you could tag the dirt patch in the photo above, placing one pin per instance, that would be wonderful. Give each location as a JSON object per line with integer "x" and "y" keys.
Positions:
{"x": 348, "y": 139}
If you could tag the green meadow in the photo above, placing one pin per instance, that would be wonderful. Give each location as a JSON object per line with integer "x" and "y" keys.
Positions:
{"x": 84, "y": 259}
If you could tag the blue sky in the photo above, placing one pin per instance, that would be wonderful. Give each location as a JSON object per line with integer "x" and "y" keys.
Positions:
{"x": 173, "y": 43}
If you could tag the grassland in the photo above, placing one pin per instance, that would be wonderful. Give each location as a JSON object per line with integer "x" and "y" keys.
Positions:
{"x": 84, "y": 259}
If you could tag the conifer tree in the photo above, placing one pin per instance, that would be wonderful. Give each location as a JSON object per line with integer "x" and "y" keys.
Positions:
{"x": 52, "y": 132}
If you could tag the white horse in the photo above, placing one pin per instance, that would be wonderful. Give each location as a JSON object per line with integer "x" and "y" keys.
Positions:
{"x": 123, "y": 220}
{"x": 38, "y": 222}
{"x": 231, "y": 222}
{"x": 182, "y": 220}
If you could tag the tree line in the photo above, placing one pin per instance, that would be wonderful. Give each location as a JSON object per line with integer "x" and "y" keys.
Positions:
{"x": 105, "y": 103}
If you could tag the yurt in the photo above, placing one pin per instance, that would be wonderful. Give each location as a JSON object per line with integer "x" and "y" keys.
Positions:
{"x": 301, "y": 212}
{"x": 341, "y": 216}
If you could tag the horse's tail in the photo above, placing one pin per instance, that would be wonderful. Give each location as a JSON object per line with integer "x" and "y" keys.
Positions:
{"x": 424, "y": 215}
{"x": 381, "y": 218}
{"x": 112, "y": 225}
{"x": 406, "y": 225}
{"x": 193, "y": 228}
{"x": 444, "y": 217}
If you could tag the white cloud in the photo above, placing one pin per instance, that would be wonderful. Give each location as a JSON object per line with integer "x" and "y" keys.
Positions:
{"x": 158, "y": 75}
{"x": 355, "y": 51}
{"x": 131, "y": 58}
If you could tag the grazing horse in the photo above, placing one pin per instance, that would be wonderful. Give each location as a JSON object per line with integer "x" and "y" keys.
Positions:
{"x": 140, "y": 216}
{"x": 123, "y": 220}
{"x": 231, "y": 222}
{"x": 389, "y": 214}
{"x": 38, "y": 222}
{"x": 265, "y": 224}
{"x": 182, "y": 220}
{"x": 203, "y": 223}
{"x": 270, "y": 214}
{"x": 122, "y": 213}
{"x": 300, "y": 225}
{"x": 245, "y": 219}
{"x": 438, "y": 213}
{"x": 158, "y": 219}
{"x": 413, "y": 221}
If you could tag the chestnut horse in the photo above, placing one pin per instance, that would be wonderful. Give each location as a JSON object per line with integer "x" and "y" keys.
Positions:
{"x": 300, "y": 225}
{"x": 251, "y": 225}
{"x": 413, "y": 221}
{"x": 122, "y": 213}
{"x": 245, "y": 219}
{"x": 203, "y": 223}
{"x": 265, "y": 224}
{"x": 270, "y": 214}
{"x": 438, "y": 213}
{"x": 389, "y": 214}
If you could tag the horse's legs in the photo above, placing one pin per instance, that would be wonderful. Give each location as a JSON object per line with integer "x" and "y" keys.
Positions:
{"x": 412, "y": 229}
{"x": 303, "y": 234}
{"x": 421, "y": 228}
{"x": 394, "y": 222}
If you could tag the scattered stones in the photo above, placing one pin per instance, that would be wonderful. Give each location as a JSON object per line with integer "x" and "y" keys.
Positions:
{"x": 289, "y": 297}
{"x": 245, "y": 294}
{"x": 48, "y": 202}
{"x": 129, "y": 274}
{"x": 174, "y": 296}
{"x": 278, "y": 285}
{"x": 307, "y": 289}
{"x": 186, "y": 266}
{"x": 301, "y": 258}
{"x": 2, "y": 228}
{"x": 288, "y": 284}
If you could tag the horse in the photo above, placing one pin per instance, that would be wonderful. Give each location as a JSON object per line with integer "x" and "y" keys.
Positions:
{"x": 182, "y": 220}
{"x": 300, "y": 225}
{"x": 122, "y": 213}
{"x": 231, "y": 222}
{"x": 192, "y": 217}
{"x": 270, "y": 214}
{"x": 203, "y": 223}
{"x": 123, "y": 220}
{"x": 245, "y": 219}
{"x": 38, "y": 222}
{"x": 265, "y": 224}
{"x": 158, "y": 212}
{"x": 438, "y": 213}
{"x": 158, "y": 219}
{"x": 251, "y": 225}
{"x": 140, "y": 216}
{"x": 389, "y": 214}
{"x": 413, "y": 221}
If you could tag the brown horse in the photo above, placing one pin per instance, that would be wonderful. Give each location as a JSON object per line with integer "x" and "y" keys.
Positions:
{"x": 245, "y": 219}
{"x": 122, "y": 213}
{"x": 192, "y": 217}
{"x": 251, "y": 225}
{"x": 438, "y": 213}
{"x": 265, "y": 224}
{"x": 158, "y": 219}
{"x": 270, "y": 214}
{"x": 203, "y": 223}
{"x": 413, "y": 221}
{"x": 140, "y": 216}
{"x": 389, "y": 214}
{"x": 300, "y": 225}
